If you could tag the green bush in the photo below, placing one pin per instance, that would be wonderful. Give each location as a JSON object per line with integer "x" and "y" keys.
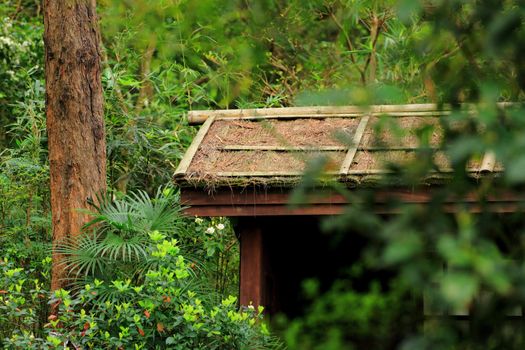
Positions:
{"x": 23, "y": 304}
{"x": 21, "y": 62}
{"x": 160, "y": 313}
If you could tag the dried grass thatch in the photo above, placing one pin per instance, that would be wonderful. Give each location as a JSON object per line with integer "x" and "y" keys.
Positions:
{"x": 273, "y": 151}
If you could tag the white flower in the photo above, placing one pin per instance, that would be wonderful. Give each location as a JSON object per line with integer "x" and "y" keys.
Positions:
{"x": 198, "y": 220}
{"x": 6, "y": 41}
{"x": 220, "y": 227}
{"x": 210, "y": 230}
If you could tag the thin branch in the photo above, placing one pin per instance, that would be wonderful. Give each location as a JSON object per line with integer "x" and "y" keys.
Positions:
{"x": 146, "y": 88}
{"x": 17, "y": 10}
{"x": 348, "y": 44}
{"x": 118, "y": 92}
{"x": 375, "y": 31}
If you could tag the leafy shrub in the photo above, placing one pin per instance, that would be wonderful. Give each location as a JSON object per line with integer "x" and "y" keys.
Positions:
{"x": 160, "y": 313}
{"x": 21, "y": 61}
{"x": 115, "y": 243}
{"x": 23, "y": 304}
{"x": 345, "y": 317}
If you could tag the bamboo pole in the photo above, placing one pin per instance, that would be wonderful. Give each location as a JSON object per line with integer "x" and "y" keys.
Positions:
{"x": 434, "y": 114}
{"x": 284, "y": 148}
{"x": 347, "y": 163}
{"x": 240, "y": 148}
{"x": 363, "y": 172}
{"x": 198, "y": 117}
{"x": 190, "y": 153}
{"x": 488, "y": 163}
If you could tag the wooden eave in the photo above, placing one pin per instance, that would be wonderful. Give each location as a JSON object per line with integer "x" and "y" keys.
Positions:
{"x": 235, "y": 202}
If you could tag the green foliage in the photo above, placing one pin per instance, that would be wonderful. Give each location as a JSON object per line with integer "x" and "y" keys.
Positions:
{"x": 24, "y": 177}
{"x": 344, "y": 318}
{"x": 215, "y": 240}
{"x": 23, "y": 303}
{"x": 159, "y": 313}
{"x": 117, "y": 239}
{"x": 261, "y": 53}
{"x": 462, "y": 265}
{"x": 21, "y": 53}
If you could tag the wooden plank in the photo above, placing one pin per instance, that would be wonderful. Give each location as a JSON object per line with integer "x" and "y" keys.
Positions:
{"x": 356, "y": 140}
{"x": 262, "y": 210}
{"x": 252, "y": 264}
{"x": 190, "y": 153}
{"x": 238, "y": 197}
{"x": 335, "y": 209}
{"x": 251, "y": 202}
{"x": 318, "y": 148}
{"x": 284, "y": 148}
{"x": 247, "y": 197}
{"x": 197, "y": 117}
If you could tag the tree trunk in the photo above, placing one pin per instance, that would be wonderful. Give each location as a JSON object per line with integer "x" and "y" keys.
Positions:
{"x": 75, "y": 124}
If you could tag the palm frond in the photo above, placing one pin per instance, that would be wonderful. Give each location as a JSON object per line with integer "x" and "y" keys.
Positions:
{"x": 136, "y": 213}
{"x": 81, "y": 257}
{"x": 117, "y": 248}
{"x": 159, "y": 213}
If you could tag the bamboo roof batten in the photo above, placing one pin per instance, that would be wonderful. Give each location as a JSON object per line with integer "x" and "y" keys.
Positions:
{"x": 197, "y": 117}
{"x": 233, "y": 148}
{"x": 488, "y": 163}
{"x": 336, "y": 115}
{"x": 284, "y": 148}
{"x": 263, "y": 174}
{"x": 195, "y": 144}
{"x": 347, "y": 163}
{"x": 200, "y": 116}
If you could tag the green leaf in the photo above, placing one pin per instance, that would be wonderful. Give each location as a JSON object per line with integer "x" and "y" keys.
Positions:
{"x": 407, "y": 9}
{"x": 459, "y": 288}
{"x": 516, "y": 170}
{"x": 402, "y": 248}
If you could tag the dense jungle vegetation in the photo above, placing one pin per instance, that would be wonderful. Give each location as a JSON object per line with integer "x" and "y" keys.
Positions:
{"x": 146, "y": 277}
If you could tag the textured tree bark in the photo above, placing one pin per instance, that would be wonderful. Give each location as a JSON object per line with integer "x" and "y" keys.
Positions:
{"x": 75, "y": 124}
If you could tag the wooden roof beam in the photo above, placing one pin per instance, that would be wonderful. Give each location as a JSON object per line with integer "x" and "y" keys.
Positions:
{"x": 198, "y": 117}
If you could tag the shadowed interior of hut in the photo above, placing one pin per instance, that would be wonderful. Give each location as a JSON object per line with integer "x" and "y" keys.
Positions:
{"x": 295, "y": 250}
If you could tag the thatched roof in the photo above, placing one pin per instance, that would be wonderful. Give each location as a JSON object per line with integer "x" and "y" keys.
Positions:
{"x": 273, "y": 146}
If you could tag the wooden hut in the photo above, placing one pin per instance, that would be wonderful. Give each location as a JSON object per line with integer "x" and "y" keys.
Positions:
{"x": 244, "y": 164}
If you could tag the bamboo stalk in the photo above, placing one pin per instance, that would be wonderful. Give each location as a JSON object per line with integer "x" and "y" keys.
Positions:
{"x": 488, "y": 162}
{"x": 356, "y": 141}
{"x": 190, "y": 153}
{"x": 234, "y": 148}
{"x": 434, "y": 114}
{"x": 200, "y": 116}
{"x": 265, "y": 173}
{"x": 363, "y": 172}
{"x": 284, "y": 148}
{"x": 197, "y": 117}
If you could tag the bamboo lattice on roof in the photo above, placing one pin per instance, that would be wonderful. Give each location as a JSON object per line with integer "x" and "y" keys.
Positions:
{"x": 273, "y": 146}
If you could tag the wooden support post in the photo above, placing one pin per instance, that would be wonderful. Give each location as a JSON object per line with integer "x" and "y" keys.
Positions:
{"x": 252, "y": 263}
